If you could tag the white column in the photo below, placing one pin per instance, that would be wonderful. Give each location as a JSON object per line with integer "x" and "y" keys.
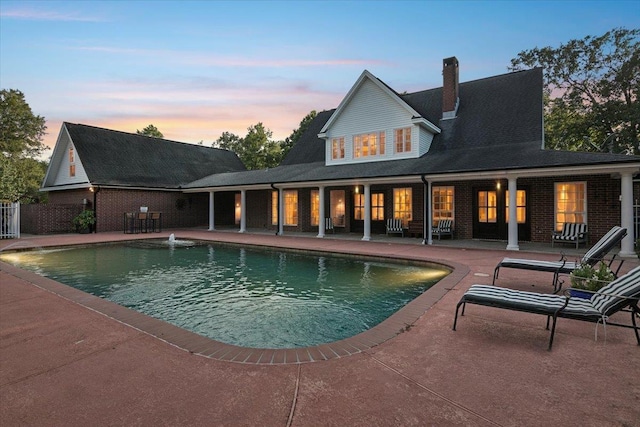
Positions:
{"x": 280, "y": 212}
{"x": 243, "y": 211}
{"x": 367, "y": 213}
{"x": 428, "y": 216}
{"x": 321, "y": 218}
{"x": 626, "y": 215}
{"x": 512, "y": 244}
{"x": 212, "y": 226}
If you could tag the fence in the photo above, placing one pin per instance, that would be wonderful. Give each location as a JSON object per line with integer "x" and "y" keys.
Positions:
{"x": 10, "y": 220}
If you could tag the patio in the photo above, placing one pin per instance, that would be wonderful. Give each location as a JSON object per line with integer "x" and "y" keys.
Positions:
{"x": 64, "y": 364}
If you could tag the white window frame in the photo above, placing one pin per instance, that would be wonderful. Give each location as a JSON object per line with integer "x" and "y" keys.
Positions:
{"x": 437, "y": 212}
{"x": 290, "y": 201}
{"x": 337, "y": 148}
{"x": 560, "y": 217}
{"x": 402, "y": 140}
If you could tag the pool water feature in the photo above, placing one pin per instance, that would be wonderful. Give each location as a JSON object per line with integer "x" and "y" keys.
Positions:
{"x": 237, "y": 295}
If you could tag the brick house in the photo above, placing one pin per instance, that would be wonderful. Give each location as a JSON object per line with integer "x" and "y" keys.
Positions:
{"x": 117, "y": 172}
{"x": 471, "y": 152}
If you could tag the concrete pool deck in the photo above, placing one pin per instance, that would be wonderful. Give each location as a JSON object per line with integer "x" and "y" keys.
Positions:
{"x": 63, "y": 362}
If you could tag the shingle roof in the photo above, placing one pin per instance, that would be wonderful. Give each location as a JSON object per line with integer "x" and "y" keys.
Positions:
{"x": 498, "y": 127}
{"x": 124, "y": 159}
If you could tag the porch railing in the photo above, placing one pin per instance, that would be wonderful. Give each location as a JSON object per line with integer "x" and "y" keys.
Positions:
{"x": 9, "y": 220}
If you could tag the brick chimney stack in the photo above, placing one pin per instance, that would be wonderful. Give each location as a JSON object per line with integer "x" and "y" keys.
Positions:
{"x": 450, "y": 98}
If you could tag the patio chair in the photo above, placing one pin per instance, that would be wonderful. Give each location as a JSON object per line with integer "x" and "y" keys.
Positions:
{"x": 444, "y": 228}
{"x": 562, "y": 266}
{"x": 570, "y": 233}
{"x": 394, "y": 225}
{"x": 620, "y": 295}
{"x": 328, "y": 225}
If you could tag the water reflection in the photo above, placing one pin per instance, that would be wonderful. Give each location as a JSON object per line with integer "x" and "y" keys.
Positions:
{"x": 240, "y": 296}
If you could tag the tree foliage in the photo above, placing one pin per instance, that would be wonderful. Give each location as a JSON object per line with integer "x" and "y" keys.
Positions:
{"x": 256, "y": 150}
{"x": 591, "y": 91}
{"x": 150, "y": 130}
{"x": 21, "y": 131}
{"x": 21, "y": 134}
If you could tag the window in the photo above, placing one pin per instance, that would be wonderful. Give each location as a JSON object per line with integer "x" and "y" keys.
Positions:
{"x": 337, "y": 207}
{"x": 571, "y": 203}
{"x": 290, "y": 207}
{"x": 358, "y": 206}
{"x": 402, "y": 206}
{"x": 521, "y": 206}
{"x": 377, "y": 207}
{"x": 274, "y": 208}
{"x": 441, "y": 203}
{"x": 403, "y": 140}
{"x": 315, "y": 207}
{"x": 72, "y": 160}
{"x": 368, "y": 144}
{"x": 337, "y": 148}
{"x": 487, "y": 206}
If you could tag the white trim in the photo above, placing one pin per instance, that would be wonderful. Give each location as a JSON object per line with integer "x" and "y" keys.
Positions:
{"x": 633, "y": 168}
{"x": 345, "y": 101}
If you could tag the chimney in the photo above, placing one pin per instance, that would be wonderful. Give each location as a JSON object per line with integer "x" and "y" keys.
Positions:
{"x": 450, "y": 98}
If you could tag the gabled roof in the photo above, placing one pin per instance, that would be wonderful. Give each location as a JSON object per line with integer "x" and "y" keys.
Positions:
{"x": 367, "y": 76}
{"x": 498, "y": 128}
{"x": 130, "y": 160}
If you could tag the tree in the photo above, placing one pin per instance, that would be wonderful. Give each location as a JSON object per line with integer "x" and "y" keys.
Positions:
{"x": 21, "y": 135}
{"x": 297, "y": 133}
{"x": 591, "y": 91}
{"x": 21, "y": 131}
{"x": 150, "y": 130}
{"x": 256, "y": 150}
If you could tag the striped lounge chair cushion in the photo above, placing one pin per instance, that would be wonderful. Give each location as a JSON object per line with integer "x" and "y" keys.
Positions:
{"x": 539, "y": 265}
{"x": 571, "y": 232}
{"x": 527, "y": 301}
{"x": 604, "y": 245}
{"x": 605, "y": 300}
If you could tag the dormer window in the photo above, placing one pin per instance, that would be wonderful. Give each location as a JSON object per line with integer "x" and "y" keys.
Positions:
{"x": 337, "y": 148}
{"x": 403, "y": 140}
{"x": 369, "y": 144}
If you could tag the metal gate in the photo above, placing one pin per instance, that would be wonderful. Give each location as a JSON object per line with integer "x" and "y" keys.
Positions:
{"x": 10, "y": 220}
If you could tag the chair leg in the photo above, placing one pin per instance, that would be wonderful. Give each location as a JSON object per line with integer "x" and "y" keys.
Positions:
{"x": 495, "y": 274}
{"x": 553, "y": 331}
{"x": 635, "y": 312}
{"x": 455, "y": 320}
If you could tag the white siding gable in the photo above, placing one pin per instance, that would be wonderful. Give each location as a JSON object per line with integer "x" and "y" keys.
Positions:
{"x": 371, "y": 107}
{"x": 58, "y": 174}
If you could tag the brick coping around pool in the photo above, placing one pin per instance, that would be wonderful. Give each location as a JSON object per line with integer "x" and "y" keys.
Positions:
{"x": 397, "y": 323}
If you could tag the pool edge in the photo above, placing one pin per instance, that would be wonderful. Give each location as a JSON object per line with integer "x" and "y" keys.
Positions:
{"x": 191, "y": 342}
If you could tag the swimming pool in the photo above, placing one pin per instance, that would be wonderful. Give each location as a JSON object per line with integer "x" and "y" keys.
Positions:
{"x": 239, "y": 295}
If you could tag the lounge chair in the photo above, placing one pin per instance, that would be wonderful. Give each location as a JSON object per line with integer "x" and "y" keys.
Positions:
{"x": 618, "y": 295}
{"x": 591, "y": 257}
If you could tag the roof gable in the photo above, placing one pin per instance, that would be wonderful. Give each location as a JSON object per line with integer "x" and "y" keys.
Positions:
{"x": 365, "y": 79}
{"x": 124, "y": 159}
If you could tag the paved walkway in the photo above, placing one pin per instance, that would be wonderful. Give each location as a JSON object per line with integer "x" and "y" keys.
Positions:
{"x": 63, "y": 363}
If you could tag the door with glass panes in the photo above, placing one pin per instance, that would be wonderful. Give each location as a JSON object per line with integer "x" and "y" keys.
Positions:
{"x": 491, "y": 213}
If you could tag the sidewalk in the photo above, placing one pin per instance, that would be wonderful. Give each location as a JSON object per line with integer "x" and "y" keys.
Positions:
{"x": 64, "y": 364}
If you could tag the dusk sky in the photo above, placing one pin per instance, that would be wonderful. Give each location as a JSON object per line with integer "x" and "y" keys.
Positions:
{"x": 196, "y": 69}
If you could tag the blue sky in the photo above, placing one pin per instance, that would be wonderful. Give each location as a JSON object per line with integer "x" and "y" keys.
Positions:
{"x": 196, "y": 69}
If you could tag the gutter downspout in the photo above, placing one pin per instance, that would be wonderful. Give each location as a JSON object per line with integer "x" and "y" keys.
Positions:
{"x": 426, "y": 221}
{"x": 278, "y": 208}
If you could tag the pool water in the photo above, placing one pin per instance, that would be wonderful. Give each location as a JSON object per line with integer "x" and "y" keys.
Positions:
{"x": 243, "y": 296}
